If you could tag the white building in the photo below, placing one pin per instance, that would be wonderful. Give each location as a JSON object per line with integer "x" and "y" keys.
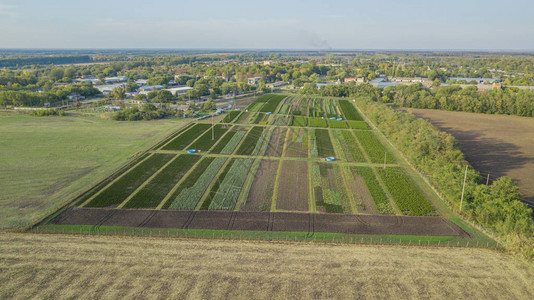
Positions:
{"x": 180, "y": 90}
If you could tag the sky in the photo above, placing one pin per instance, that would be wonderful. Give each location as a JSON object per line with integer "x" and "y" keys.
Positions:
{"x": 210, "y": 24}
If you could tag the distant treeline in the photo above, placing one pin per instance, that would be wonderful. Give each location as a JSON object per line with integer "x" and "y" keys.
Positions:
{"x": 43, "y": 60}
{"x": 54, "y": 97}
{"x": 508, "y": 101}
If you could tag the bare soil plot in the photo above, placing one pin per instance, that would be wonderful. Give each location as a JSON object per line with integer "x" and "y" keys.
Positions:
{"x": 495, "y": 144}
{"x": 297, "y": 143}
{"x": 364, "y": 200}
{"x": 276, "y": 144}
{"x": 293, "y": 186}
{"x": 242, "y": 103}
{"x": 261, "y": 192}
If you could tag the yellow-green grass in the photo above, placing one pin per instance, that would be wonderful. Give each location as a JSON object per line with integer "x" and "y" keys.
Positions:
{"x": 46, "y": 161}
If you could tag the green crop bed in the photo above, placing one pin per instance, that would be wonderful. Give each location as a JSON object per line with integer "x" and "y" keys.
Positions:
{"x": 406, "y": 195}
{"x": 226, "y": 196}
{"x": 357, "y": 124}
{"x": 123, "y": 187}
{"x": 337, "y": 124}
{"x": 231, "y": 116}
{"x": 324, "y": 144}
{"x": 377, "y": 193}
{"x": 207, "y": 202}
{"x": 152, "y": 193}
{"x": 352, "y": 146}
{"x": 299, "y": 121}
{"x": 317, "y": 122}
{"x": 349, "y": 111}
{"x": 195, "y": 185}
{"x": 372, "y": 146}
{"x": 205, "y": 142}
{"x": 272, "y": 103}
{"x": 181, "y": 141}
{"x": 223, "y": 142}
{"x": 248, "y": 145}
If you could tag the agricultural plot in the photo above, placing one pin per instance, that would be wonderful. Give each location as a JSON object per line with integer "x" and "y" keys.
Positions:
{"x": 330, "y": 194}
{"x": 321, "y": 143}
{"x": 231, "y": 116}
{"x": 119, "y": 190}
{"x": 349, "y": 146}
{"x": 292, "y": 194}
{"x": 276, "y": 142}
{"x": 272, "y": 103}
{"x": 262, "y": 169}
{"x": 184, "y": 139}
{"x": 317, "y": 122}
{"x": 250, "y": 141}
{"x": 190, "y": 191}
{"x": 154, "y": 192}
{"x": 406, "y": 195}
{"x": 336, "y": 124}
{"x": 209, "y": 138}
{"x": 373, "y": 148}
{"x": 297, "y": 143}
{"x": 227, "y": 194}
{"x": 349, "y": 111}
{"x": 261, "y": 192}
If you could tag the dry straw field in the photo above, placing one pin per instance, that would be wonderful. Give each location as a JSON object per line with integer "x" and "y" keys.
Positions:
{"x": 94, "y": 267}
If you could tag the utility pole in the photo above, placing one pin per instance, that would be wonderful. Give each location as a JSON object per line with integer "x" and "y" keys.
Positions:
{"x": 212, "y": 133}
{"x": 487, "y": 179}
{"x": 385, "y": 158}
{"x": 463, "y": 188}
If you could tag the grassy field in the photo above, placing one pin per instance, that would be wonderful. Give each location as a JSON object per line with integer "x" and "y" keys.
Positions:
{"x": 48, "y": 160}
{"x": 69, "y": 266}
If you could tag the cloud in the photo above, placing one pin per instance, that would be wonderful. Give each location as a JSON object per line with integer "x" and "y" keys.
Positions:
{"x": 8, "y": 10}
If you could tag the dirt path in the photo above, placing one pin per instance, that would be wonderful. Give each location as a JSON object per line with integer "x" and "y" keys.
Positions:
{"x": 495, "y": 144}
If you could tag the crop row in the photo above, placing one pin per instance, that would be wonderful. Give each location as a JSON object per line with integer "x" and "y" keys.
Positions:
{"x": 328, "y": 188}
{"x": 152, "y": 193}
{"x": 330, "y": 108}
{"x": 349, "y": 111}
{"x": 317, "y": 122}
{"x": 216, "y": 184}
{"x": 272, "y": 103}
{"x": 372, "y": 146}
{"x": 406, "y": 195}
{"x": 205, "y": 142}
{"x": 230, "y": 147}
{"x": 172, "y": 136}
{"x": 375, "y": 189}
{"x": 190, "y": 191}
{"x": 250, "y": 141}
{"x": 228, "y": 193}
{"x": 257, "y": 118}
{"x": 123, "y": 187}
{"x": 242, "y": 117}
{"x": 324, "y": 144}
{"x": 315, "y": 109}
{"x": 181, "y": 141}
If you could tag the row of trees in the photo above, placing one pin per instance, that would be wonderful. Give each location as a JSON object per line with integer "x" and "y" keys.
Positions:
{"x": 497, "y": 207}
{"x": 17, "y": 97}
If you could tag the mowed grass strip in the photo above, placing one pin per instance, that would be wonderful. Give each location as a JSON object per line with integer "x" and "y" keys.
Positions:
{"x": 375, "y": 189}
{"x": 317, "y": 122}
{"x": 272, "y": 103}
{"x": 152, "y": 193}
{"x": 207, "y": 202}
{"x": 248, "y": 145}
{"x": 123, "y": 187}
{"x": 324, "y": 144}
{"x": 228, "y": 193}
{"x": 181, "y": 141}
{"x": 405, "y": 193}
{"x": 349, "y": 111}
{"x": 373, "y": 147}
{"x": 190, "y": 191}
{"x": 100, "y": 186}
{"x": 205, "y": 142}
{"x": 357, "y": 124}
